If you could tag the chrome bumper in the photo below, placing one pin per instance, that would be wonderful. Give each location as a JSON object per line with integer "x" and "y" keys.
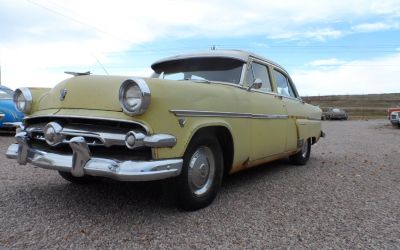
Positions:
{"x": 81, "y": 163}
{"x": 11, "y": 124}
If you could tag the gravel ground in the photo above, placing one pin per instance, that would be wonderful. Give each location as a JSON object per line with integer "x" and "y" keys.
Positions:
{"x": 347, "y": 196}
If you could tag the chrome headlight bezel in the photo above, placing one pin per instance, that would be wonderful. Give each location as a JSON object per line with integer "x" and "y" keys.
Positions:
{"x": 144, "y": 95}
{"x": 26, "y": 94}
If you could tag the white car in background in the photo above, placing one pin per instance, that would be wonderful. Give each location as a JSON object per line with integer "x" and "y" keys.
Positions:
{"x": 395, "y": 118}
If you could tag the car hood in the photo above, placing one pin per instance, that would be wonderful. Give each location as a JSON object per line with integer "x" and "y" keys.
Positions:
{"x": 85, "y": 92}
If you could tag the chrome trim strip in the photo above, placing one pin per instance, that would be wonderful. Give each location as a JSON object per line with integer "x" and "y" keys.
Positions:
{"x": 195, "y": 113}
{"x": 313, "y": 119}
{"x": 11, "y": 124}
{"x": 81, "y": 163}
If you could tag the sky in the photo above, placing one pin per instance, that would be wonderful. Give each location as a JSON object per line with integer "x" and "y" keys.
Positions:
{"x": 328, "y": 47}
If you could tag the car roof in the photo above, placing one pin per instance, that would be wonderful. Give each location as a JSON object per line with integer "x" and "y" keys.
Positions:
{"x": 240, "y": 55}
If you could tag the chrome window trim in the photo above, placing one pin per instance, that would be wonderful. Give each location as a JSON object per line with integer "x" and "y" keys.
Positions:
{"x": 289, "y": 81}
{"x": 202, "y": 113}
{"x": 291, "y": 98}
{"x": 265, "y": 92}
{"x": 267, "y": 65}
{"x": 244, "y": 68}
{"x": 229, "y": 84}
{"x": 90, "y": 118}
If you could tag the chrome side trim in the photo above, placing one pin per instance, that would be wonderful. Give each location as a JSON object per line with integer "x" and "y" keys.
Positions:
{"x": 313, "y": 119}
{"x": 80, "y": 163}
{"x": 195, "y": 113}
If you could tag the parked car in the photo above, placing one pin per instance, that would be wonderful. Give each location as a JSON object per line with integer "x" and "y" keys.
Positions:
{"x": 198, "y": 117}
{"x": 395, "y": 118}
{"x": 390, "y": 110}
{"x": 334, "y": 114}
{"x": 11, "y": 116}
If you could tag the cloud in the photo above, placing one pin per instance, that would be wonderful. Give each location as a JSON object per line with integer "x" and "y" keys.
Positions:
{"x": 326, "y": 62}
{"x": 377, "y": 26}
{"x": 39, "y": 36}
{"x": 379, "y": 75}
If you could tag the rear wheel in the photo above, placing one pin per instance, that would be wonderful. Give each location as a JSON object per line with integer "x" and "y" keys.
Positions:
{"x": 77, "y": 180}
{"x": 301, "y": 157}
{"x": 201, "y": 176}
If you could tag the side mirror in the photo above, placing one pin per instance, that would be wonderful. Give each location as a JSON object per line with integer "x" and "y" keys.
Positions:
{"x": 256, "y": 84}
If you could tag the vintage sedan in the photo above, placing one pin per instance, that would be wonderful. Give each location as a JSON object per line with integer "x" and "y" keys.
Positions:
{"x": 197, "y": 118}
{"x": 395, "y": 118}
{"x": 10, "y": 117}
{"x": 334, "y": 114}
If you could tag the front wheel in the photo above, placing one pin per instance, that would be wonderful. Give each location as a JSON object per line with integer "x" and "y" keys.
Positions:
{"x": 301, "y": 157}
{"x": 202, "y": 171}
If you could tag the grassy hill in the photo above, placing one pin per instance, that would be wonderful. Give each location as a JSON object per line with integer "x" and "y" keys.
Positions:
{"x": 371, "y": 106}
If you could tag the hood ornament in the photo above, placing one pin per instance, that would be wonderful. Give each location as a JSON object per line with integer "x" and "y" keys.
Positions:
{"x": 63, "y": 93}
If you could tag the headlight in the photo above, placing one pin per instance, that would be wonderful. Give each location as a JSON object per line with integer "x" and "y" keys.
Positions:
{"x": 23, "y": 100}
{"x": 134, "y": 96}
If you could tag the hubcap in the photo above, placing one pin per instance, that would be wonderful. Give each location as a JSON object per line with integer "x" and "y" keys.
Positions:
{"x": 304, "y": 149}
{"x": 201, "y": 170}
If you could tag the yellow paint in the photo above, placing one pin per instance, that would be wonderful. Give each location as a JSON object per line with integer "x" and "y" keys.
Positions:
{"x": 256, "y": 139}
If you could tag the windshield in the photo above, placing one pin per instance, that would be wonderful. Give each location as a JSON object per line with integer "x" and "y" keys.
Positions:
{"x": 201, "y": 69}
{"x": 5, "y": 94}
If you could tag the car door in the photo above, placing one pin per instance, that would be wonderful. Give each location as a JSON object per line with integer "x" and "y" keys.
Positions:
{"x": 268, "y": 123}
{"x": 293, "y": 104}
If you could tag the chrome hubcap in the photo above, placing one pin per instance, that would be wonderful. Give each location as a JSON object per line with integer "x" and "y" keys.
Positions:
{"x": 201, "y": 170}
{"x": 304, "y": 149}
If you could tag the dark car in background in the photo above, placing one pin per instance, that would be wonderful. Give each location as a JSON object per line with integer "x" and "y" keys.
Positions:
{"x": 334, "y": 114}
{"x": 10, "y": 117}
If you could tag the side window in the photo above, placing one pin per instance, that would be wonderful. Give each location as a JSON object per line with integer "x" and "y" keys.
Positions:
{"x": 260, "y": 71}
{"x": 284, "y": 87}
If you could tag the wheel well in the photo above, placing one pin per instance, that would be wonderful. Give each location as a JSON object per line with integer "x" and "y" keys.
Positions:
{"x": 313, "y": 140}
{"x": 225, "y": 141}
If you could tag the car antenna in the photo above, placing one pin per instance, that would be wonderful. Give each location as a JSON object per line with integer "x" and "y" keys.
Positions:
{"x": 101, "y": 65}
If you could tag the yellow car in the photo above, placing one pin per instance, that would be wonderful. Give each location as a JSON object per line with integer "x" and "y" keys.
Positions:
{"x": 198, "y": 117}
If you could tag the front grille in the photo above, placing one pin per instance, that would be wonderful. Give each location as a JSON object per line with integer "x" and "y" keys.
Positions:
{"x": 126, "y": 125}
{"x": 105, "y": 138}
